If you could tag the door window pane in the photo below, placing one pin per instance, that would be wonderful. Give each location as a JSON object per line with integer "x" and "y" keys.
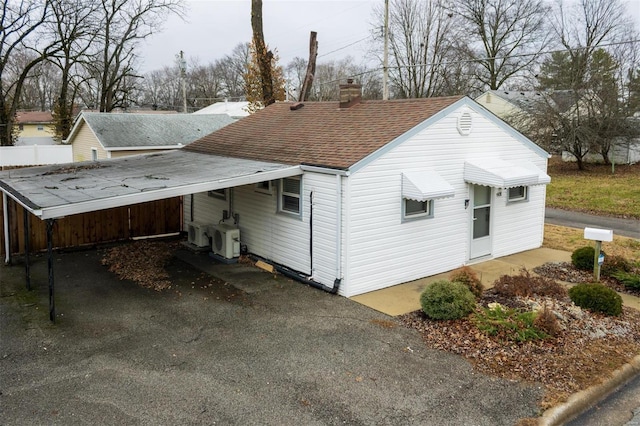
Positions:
{"x": 481, "y": 195}
{"x": 481, "y": 221}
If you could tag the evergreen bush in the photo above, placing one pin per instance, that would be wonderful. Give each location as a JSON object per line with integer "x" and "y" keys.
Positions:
{"x": 596, "y": 298}
{"x": 582, "y": 258}
{"x": 446, "y": 300}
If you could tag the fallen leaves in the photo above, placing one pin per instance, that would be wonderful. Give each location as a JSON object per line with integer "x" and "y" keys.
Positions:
{"x": 142, "y": 262}
{"x": 588, "y": 348}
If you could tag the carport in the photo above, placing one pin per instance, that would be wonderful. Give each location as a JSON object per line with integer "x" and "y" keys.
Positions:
{"x": 53, "y": 192}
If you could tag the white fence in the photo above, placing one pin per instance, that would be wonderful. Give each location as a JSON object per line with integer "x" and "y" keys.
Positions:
{"x": 35, "y": 155}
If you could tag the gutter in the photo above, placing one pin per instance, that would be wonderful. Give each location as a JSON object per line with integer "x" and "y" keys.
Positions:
{"x": 300, "y": 277}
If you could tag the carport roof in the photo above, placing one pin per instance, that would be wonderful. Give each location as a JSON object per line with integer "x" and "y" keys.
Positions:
{"x": 55, "y": 191}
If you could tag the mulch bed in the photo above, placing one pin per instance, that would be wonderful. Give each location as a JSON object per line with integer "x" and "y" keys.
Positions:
{"x": 588, "y": 348}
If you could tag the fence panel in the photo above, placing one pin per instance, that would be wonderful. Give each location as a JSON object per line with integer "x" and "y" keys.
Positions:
{"x": 120, "y": 223}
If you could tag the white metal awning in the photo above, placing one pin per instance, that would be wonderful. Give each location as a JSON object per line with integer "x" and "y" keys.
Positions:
{"x": 503, "y": 174}
{"x": 61, "y": 190}
{"x": 425, "y": 185}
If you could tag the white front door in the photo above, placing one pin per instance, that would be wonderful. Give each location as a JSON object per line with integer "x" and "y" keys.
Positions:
{"x": 480, "y": 221}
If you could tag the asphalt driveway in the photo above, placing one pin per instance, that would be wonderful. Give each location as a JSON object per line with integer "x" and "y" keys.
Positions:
{"x": 248, "y": 349}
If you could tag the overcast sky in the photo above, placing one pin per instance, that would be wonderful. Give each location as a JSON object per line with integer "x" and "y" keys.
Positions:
{"x": 212, "y": 29}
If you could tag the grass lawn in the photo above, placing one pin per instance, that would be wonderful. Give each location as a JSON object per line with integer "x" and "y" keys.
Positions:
{"x": 569, "y": 239}
{"x": 595, "y": 190}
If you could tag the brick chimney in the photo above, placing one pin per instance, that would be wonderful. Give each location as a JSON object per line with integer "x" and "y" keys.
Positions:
{"x": 350, "y": 94}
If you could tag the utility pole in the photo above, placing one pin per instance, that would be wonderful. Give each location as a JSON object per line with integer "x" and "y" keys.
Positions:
{"x": 183, "y": 76}
{"x": 385, "y": 64}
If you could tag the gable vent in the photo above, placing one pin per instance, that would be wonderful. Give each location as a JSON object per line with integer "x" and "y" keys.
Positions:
{"x": 464, "y": 123}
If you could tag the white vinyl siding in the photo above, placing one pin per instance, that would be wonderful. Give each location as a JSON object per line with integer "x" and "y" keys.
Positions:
{"x": 281, "y": 238}
{"x": 384, "y": 251}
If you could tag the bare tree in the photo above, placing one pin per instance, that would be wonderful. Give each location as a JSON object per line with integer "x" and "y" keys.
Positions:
{"x": 123, "y": 24}
{"x": 503, "y": 36}
{"x": 21, "y": 23}
{"x": 76, "y": 29}
{"x": 421, "y": 36}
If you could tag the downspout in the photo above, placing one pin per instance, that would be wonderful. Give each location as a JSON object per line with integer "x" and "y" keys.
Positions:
{"x": 338, "y": 280}
{"x": 7, "y": 236}
{"x": 311, "y": 235}
{"x": 191, "y": 209}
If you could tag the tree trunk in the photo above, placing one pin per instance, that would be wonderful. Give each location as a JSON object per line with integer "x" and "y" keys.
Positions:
{"x": 305, "y": 92}
{"x": 264, "y": 57}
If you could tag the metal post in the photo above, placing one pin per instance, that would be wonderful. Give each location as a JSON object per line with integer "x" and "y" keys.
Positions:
{"x": 27, "y": 264}
{"x": 385, "y": 53}
{"x": 7, "y": 234}
{"x": 596, "y": 263}
{"x": 52, "y": 303}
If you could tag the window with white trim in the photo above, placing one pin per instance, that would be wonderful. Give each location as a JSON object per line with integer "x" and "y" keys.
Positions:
{"x": 218, "y": 193}
{"x": 264, "y": 187}
{"x": 290, "y": 190}
{"x": 94, "y": 154}
{"x": 517, "y": 193}
{"x": 412, "y": 209}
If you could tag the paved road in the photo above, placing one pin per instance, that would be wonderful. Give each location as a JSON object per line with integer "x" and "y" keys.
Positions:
{"x": 625, "y": 227}
{"x": 621, "y": 408}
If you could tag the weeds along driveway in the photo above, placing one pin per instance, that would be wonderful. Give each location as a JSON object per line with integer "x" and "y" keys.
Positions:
{"x": 206, "y": 352}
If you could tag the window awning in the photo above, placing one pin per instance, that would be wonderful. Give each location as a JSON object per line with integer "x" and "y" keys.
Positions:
{"x": 504, "y": 174}
{"x": 425, "y": 185}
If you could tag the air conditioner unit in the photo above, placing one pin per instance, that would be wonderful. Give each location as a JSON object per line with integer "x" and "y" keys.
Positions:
{"x": 198, "y": 234}
{"x": 226, "y": 240}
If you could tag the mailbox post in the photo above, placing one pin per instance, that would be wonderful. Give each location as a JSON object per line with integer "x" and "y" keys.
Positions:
{"x": 598, "y": 235}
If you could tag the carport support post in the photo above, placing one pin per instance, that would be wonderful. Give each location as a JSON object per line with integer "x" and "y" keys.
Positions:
{"x": 27, "y": 270}
{"x": 52, "y": 302}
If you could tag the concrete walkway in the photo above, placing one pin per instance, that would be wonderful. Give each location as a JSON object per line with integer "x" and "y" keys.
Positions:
{"x": 405, "y": 298}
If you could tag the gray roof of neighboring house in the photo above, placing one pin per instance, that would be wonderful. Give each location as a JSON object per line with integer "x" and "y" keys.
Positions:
{"x": 149, "y": 130}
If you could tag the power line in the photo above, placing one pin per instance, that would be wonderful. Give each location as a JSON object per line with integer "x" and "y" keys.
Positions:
{"x": 461, "y": 61}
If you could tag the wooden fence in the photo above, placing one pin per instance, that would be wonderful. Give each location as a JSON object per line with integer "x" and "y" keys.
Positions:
{"x": 120, "y": 223}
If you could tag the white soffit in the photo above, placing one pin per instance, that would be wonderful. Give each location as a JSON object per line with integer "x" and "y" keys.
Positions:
{"x": 425, "y": 185}
{"x": 503, "y": 174}
{"x": 55, "y": 191}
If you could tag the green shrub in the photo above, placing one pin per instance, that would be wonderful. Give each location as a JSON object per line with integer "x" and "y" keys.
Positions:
{"x": 526, "y": 285}
{"x": 628, "y": 279}
{"x": 509, "y": 324}
{"x": 596, "y": 298}
{"x": 582, "y": 258}
{"x": 615, "y": 264}
{"x": 446, "y": 300}
{"x": 469, "y": 278}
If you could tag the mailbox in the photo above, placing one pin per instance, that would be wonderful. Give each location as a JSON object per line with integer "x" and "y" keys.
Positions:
{"x": 598, "y": 234}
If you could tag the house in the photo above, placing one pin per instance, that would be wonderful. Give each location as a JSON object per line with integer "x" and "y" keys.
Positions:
{"x": 35, "y": 128}
{"x": 97, "y": 135}
{"x": 387, "y": 192}
{"x": 235, "y": 110}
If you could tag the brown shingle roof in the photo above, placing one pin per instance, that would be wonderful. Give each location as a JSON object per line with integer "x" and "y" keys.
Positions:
{"x": 319, "y": 133}
{"x": 25, "y": 117}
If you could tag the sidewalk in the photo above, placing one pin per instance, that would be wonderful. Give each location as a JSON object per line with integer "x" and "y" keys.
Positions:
{"x": 405, "y": 298}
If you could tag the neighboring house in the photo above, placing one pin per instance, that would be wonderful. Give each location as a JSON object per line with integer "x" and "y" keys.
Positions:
{"x": 97, "y": 136}
{"x": 35, "y": 128}
{"x": 235, "y": 110}
{"x": 388, "y": 191}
